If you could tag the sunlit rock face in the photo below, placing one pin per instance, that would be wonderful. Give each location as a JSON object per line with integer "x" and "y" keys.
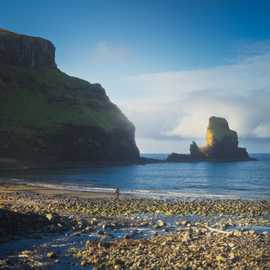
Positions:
{"x": 221, "y": 142}
{"x": 218, "y": 129}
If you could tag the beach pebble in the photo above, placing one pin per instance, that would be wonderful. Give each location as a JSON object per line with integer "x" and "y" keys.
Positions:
{"x": 93, "y": 221}
{"x": 51, "y": 255}
{"x": 25, "y": 254}
{"x": 49, "y": 216}
{"x": 160, "y": 224}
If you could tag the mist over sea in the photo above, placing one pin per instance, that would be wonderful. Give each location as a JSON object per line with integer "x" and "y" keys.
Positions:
{"x": 247, "y": 180}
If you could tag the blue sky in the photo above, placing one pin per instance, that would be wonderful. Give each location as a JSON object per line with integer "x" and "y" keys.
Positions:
{"x": 168, "y": 64}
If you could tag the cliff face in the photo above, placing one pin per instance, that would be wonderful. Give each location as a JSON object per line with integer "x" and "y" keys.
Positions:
{"x": 21, "y": 50}
{"x": 46, "y": 115}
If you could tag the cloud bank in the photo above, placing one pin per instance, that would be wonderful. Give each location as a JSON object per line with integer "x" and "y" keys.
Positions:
{"x": 177, "y": 104}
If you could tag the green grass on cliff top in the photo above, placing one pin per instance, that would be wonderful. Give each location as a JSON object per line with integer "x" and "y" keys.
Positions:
{"x": 49, "y": 99}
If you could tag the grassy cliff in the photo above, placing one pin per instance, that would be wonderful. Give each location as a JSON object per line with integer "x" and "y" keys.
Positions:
{"x": 47, "y": 115}
{"x": 49, "y": 98}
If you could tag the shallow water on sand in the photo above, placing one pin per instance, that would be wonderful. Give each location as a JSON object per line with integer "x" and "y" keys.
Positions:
{"x": 60, "y": 243}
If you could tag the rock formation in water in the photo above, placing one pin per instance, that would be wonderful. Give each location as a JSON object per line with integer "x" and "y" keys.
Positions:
{"x": 221, "y": 144}
{"x": 195, "y": 151}
{"x": 46, "y": 115}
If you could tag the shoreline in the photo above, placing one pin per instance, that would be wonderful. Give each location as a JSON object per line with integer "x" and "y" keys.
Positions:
{"x": 20, "y": 187}
{"x": 100, "y": 192}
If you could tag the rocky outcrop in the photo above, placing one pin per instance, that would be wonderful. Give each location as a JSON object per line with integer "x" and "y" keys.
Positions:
{"x": 222, "y": 142}
{"x": 21, "y": 50}
{"x": 195, "y": 151}
{"x": 221, "y": 145}
{"x": 175, "y": 157}
{"x": 48, "y": 116}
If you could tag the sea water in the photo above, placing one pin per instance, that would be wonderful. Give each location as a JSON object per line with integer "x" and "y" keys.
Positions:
{"x": 247, "y": 180}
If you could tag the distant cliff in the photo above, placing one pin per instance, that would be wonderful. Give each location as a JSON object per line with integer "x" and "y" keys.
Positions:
{"x": 46, "y": 115}
{"x": 221, "y": 145}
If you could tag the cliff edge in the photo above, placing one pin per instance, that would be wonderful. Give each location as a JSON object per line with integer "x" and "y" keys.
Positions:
{"x": 47, "y": 115}
{"x": 26, "y": 51}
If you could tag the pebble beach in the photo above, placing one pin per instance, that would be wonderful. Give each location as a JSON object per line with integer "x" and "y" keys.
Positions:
{"x": 43, "y": 228}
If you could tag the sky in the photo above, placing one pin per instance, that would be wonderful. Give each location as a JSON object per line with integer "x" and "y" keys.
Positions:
{"x": 169, "y": 65}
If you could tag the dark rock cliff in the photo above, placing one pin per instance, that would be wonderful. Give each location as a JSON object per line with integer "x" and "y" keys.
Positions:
{"x": 26, "y": 51}
{"x": 46, "y": 115}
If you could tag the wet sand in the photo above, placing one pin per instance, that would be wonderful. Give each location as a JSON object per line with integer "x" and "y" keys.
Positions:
{"x": 10, "y": 188}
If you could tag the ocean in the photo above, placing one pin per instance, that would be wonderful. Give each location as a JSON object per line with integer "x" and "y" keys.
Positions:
{"x": 232, "y": 180}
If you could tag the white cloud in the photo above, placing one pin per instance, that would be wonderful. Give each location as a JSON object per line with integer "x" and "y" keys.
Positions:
{"x": 169, "y": 104}
{"x": 251, "y": 73}
{"x": 244, "y": 113}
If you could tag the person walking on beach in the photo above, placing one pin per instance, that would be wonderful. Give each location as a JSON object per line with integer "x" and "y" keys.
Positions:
{"x": 117, "y": 193}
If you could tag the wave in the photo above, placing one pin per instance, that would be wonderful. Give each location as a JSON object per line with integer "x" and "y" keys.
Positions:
{"x": 136, "y": 193}
{"x": 153, "y": 194}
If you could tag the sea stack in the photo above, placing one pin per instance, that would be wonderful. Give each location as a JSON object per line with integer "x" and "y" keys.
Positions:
{"x": 222, "y": 142}
{"x": 49, "y": 116}
{"x": 221, "y": 145}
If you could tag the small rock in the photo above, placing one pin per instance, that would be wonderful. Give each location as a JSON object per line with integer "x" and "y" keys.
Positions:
{"x": 93, "y": 221}
{"x": 160, "y": 223}
{"x": 104, "y": 244}
{"x": 231, "y": 255}
{"x": 84, "y": 263}
{"x": 106, "y": 226}
{"x": 237, "y": 233}
{"x": 186, "y": 236}
{"x": 51, "y": 255}
{"x": 49, "y": 216}
{"x": 3, "y": 263}
{"x": 220, "y": 258}
{"x": 25, "y": 254}
{"x": 184, "y": 223}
